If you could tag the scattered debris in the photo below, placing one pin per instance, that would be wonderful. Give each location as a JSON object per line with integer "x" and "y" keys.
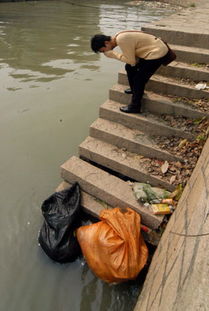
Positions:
{"x": 155, "y": 5}
{"x": 201, "y": 86}
{"x": 146, "y": 193}
{"x": 161, "y": 209}
{"x": 176, "y": 194}
{"x": 164, "y": 167}
{"x": 201, "y": 65}
{"x": 179, "y": 172}
{"x": 198, "y": 104}
{"x": 193, "y": 126}
{"x": 168, "y": 201}
{"x": 172, "y": 179}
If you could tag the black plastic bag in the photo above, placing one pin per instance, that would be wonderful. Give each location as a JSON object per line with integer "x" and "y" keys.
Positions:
{"x": 61, "y": 212}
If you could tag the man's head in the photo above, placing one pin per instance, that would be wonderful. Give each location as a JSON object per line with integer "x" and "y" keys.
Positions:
{"x": 101, "y": 43}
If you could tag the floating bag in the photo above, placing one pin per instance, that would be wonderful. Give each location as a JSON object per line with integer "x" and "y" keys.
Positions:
{"x": 61, "y": 212}
{"x": 114, "y": 248}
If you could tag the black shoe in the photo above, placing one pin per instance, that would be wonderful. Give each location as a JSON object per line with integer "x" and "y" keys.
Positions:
{"x": 130, "y": 109}
{"x": 128, "y": 91}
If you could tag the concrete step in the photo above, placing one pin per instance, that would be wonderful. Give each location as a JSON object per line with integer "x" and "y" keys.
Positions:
{"x": 128, "y": 164}
{"x": 107, "y": 188}
{"x": 185, "y": 71}
{"x": 151, "y": 125}
{"x": 93, "y": 206}
{"x": 156, "y": 103}
{"x": 191, "y": 55}
{"x": 178, "y": 37}
{"x": 133, "y": 140}
{"x": 169, "y": 86}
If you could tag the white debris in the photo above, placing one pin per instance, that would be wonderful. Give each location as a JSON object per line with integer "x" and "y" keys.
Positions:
{"x": 201, "y": 86}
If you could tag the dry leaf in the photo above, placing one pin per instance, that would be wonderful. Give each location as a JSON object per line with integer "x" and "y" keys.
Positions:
{"x": 123, "y": 155}
{"x": 172, "y": 179}
{"x": 182, "y": 143}
{"x": 164, "y": 167}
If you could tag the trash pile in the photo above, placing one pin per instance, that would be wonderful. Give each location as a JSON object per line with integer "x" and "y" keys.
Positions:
{"x": 114, "y": 247}
{"x": 160, "y": 201}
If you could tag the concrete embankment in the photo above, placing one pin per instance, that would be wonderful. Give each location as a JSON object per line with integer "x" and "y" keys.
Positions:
{"x": 178, "y": 275}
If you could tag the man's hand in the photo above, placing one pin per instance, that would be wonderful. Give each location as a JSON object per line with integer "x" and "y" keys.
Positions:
{"x": 110, "y": 54}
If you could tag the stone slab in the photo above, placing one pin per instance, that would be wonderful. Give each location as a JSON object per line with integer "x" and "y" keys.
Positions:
{"x": 133, "y": 140}
{"x": 106, "y": 187}
{"x": 128, "y": 164}
{"x": 147, "y": 124}
{"x": 169, "y": 86}
{"x": 155, "y": 103}
{"x": 178, "y": 69}
{"x": 191, "y": 55}
{"x": 180, "y": 37}
{"x": 93, "y": 207}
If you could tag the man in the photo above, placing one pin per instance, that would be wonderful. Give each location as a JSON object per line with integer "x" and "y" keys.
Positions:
{"x": 143, "y": 54}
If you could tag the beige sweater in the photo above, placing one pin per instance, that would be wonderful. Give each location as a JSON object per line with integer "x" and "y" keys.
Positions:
{"x": 137, "y": 44}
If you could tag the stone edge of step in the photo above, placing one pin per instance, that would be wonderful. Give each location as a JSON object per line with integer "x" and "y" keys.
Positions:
{"x": 117, "y": 163}
{"x": 93, "y": 207}
{"x": 96, "y": 130}
{"x": 155, "y": 126}
{"x": 70, "y": 175}
{"x": 156, "y": 103}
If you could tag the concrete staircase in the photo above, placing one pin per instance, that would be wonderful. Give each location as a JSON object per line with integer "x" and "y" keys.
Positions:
{"x": 118, "y": 143}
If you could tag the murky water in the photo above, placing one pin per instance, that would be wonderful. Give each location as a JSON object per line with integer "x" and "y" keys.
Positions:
{"x": 51, "y": 87}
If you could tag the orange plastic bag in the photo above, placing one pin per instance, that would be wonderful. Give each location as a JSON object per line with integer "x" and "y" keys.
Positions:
{"x": 114, "y": 248}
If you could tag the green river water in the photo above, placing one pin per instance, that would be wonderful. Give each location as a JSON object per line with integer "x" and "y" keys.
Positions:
{"x": 51, "y": 86}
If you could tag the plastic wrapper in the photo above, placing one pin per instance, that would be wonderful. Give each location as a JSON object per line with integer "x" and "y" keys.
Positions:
{"x": 146, "y": 193}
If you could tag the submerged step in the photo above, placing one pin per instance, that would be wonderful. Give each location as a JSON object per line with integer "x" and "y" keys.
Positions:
{"x": 156, "y": 103}
{"x": 133, "y": 140}
{"x": 169, "y": 86}
{"x": 131, "y": 165}
{"x": 106, "y": 187}
{"x": 149, "y": 124}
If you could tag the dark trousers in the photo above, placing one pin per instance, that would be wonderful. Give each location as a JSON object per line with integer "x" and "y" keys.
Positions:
{"x": 139, "y": 75}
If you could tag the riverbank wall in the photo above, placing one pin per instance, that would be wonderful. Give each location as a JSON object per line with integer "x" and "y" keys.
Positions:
{"x": 178, "y": 276}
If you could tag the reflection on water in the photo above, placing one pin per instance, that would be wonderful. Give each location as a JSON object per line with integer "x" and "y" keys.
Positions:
{"x": 51, "y": 45}
{"x": 51, "y": 88}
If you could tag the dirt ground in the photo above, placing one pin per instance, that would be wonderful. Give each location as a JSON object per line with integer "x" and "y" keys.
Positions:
{"x": 181, "y": 3}
{"x": 184, "y": 3}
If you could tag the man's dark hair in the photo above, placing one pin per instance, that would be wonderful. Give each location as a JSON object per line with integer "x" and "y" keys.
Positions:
{"x": 98, "y": 42}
